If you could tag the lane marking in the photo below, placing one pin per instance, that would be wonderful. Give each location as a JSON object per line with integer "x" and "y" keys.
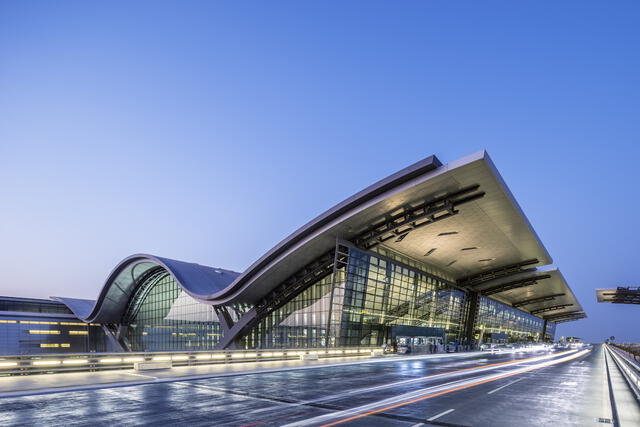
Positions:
{"x": 441, "y": 414}
{"x": 417, "y": 425}
{"x": 506, "y": 385}
{"x": 430, "y": 377}
{"x": 420, "y": 395}
{"x": 425, "y": 378}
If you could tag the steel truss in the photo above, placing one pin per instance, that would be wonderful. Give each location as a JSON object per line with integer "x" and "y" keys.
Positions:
{"x": 115, "y": 332}
{"x": 515, "y": 284}
{"x": 399, "y": 225}
{"x": 623, "y": 295}
{"x": 504, "y": 271}
{"x": 289, "y": 289}
{"x": 144, "y": 284}
{"x": 561, "y": 317}
{"x": 394, "y": 226}
{"x": 552, "y": 308}
{"x": 569, "y": 319}
{"x": 536, "y": 300}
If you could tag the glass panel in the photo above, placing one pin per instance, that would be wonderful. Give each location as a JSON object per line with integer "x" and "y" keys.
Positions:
{"x": 162, "y": 317}
{"x": 498, "y": 322}
{"x": 373, "y": 298}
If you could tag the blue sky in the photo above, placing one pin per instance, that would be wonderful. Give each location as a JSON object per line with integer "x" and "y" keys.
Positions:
{"x": 208, "y": 131}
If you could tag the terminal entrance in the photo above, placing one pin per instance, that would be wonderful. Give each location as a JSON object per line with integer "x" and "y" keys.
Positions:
{"x": 417, "y": 339}
{"x": 420, "y": 344}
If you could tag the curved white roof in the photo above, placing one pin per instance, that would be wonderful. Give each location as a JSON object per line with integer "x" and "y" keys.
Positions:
{"x": 482, "y": 229}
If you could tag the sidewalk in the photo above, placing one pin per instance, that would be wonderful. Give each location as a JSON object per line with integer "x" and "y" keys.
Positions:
{"x": 16, "y": 386}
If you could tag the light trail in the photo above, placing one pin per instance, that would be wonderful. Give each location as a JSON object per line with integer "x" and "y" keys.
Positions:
{"x": 435, "y": 391}
{"x": 430, "y": 377}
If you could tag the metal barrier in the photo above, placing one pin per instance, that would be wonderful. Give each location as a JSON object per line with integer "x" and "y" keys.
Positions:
{"x": 74, "y": 362}
{"x": 629, "y": 369}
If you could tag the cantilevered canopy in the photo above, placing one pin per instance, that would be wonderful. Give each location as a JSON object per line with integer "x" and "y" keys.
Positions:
{"x": 459, "y": 218}
{"x": 540, "y": 291}
{"x": 619, "y": 295}
{"x": 476, "y": 226}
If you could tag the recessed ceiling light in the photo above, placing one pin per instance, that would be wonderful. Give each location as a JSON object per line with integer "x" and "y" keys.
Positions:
{"x": 469, "y": 249}
{"x": 401, "y": 237}
{"x": 486, "y": 260}
{"x": 448, "y": 233}
{"x": 452, "y": 262}
{"x": 430, "y": 251}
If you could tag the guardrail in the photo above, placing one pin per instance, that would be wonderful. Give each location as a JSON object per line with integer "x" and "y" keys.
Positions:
{"x": 74, "y": 362}
{"x": 629, "y": 369}
{"x": 632, "y": 352}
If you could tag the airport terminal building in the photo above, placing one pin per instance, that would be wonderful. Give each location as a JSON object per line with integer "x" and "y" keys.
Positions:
{"x": 435, "y": 252}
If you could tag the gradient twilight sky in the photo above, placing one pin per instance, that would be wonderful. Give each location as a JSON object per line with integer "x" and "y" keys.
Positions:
{"x": 208, "y": 131}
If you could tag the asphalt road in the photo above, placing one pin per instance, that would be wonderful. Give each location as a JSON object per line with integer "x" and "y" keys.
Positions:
{"x": 485, "y": 390}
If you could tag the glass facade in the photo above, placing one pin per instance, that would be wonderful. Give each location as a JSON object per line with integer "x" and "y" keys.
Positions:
{"x": 301, "y": 323}
{"x": 162, "y": 317}
{"x": 499, "y": 322}
{"x": 378, "y": 293}
{"x": 372, "y": 295}
{"x": 551, "y": 331}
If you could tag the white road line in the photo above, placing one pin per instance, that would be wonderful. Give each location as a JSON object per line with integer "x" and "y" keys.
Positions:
{"x": 441, "y": 414}
{"x": 222, "y": 390}
{"x": 426, "y": 393}
{"x": 506, "y": 385}
{"x": 139, "y": 375}
{"x": 427, "y": 378}
{"x": 417, "y": 425}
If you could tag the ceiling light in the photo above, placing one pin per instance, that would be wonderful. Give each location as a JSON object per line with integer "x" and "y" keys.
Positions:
{"x": 430, "y": 251}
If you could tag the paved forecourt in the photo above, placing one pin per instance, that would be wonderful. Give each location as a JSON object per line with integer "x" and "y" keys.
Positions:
{"x": 38, "y": 384}
{"x": 459, "y": 389}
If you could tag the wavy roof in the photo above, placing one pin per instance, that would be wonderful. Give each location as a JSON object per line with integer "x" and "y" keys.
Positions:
{"x": 195, "y": 279}
{"x": 486, "y": 233}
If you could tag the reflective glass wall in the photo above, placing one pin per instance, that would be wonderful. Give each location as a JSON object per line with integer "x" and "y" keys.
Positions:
{"x": 506, "y": 322}
{"x": 301, "y": 323}
{"x": 379, "y": 292}
{"x": 162, "y": 317}
{"x": 551, "y": 331}
{"x": 372, "y": 293}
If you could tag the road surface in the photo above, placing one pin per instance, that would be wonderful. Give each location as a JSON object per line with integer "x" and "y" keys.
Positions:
{"x": 536, "y": 388}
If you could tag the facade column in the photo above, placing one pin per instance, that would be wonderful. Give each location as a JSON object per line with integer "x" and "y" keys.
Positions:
{"x": 470, "y": 321}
